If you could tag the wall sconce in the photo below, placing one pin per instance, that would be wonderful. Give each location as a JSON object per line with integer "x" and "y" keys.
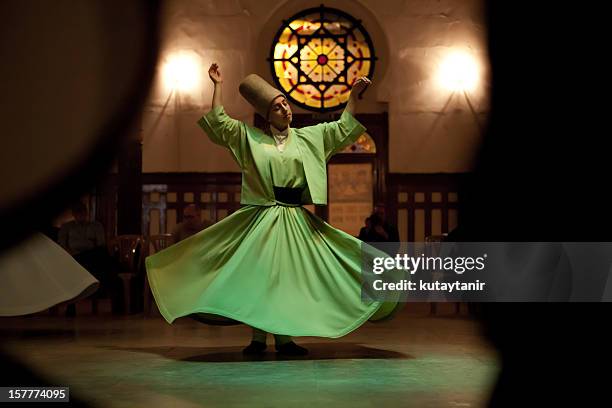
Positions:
{"x": 182, "y": 72}
{"x": 459, "y": 72}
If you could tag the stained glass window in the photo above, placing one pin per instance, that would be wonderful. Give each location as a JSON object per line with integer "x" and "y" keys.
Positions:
{"x": 318, "y": 54}
{"x": 364, "y": 144}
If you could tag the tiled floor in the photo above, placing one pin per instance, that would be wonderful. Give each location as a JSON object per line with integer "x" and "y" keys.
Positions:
{"x": 413, "y": 361}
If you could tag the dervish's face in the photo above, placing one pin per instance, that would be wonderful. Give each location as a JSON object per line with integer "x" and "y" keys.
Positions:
{"x": 280, "y": 113}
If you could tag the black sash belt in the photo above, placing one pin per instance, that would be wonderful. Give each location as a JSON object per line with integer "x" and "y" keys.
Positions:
{"x": 288, "y": 195}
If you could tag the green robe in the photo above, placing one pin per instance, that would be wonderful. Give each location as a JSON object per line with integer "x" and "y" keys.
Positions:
{"x": 274, "y": 267}
{"x": 250, "y": 147}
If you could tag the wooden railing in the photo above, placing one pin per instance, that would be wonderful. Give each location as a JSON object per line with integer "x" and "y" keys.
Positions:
{"x": 421, "y": 204}
{"x": 424, "y": 204}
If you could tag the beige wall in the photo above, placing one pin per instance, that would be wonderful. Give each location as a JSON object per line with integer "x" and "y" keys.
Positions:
{"x": 429, "y": 130}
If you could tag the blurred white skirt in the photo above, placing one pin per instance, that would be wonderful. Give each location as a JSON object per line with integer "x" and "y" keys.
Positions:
{"x": 38, "y": 274}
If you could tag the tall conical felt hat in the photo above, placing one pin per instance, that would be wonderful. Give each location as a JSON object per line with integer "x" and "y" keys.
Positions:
{"x": 258, "y": 93}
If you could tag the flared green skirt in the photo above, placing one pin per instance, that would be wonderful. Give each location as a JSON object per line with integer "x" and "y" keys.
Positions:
{"x": 280, "y": 269}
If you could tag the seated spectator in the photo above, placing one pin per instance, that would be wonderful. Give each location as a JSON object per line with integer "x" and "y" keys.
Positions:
{"x": 81, "y": 235}
{"x": 85, "y": 241}
{"x": 365, "y": 230}
{"x": 191, "y": 225}
{"x": 378, "y": 229}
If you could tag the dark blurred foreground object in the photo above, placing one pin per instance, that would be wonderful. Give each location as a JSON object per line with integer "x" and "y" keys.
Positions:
{"x": 74, "y": 75}
{"x": 540, "y": 177}
{"x": 15, "y": 374}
